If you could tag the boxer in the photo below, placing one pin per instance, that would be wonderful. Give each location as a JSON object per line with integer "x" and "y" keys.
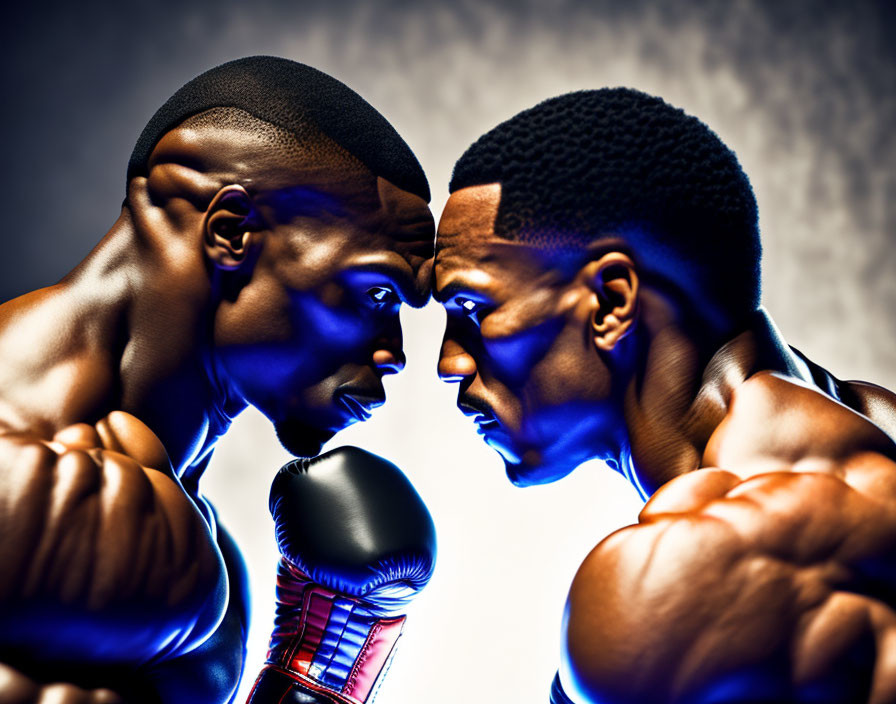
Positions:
{"x": 273, "y": 225}
{"x": 598, "y": 259}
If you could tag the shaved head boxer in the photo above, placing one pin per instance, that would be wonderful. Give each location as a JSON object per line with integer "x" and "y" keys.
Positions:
{"x": 599, "y": 263}
{"x": 274, "y": 223}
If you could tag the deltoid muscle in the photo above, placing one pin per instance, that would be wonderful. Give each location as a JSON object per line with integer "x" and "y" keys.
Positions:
{"x": 357, "y": 545}
{"x": 105, "y": 557}
{"x": 773, "y": 584}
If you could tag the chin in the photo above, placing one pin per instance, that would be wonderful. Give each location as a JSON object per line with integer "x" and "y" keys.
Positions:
{"x": 526, "y": 475}
{"x": 517, "y": 477}
{"x": 300, "y": 439}
{"x": 531, "y": 469}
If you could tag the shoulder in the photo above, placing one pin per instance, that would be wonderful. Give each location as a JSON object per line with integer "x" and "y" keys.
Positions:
{"x": 873, "y": 401}
{"x": 777, "y": 579}
{"x": 742, "y": 564}
{"x": 777, "y": 423}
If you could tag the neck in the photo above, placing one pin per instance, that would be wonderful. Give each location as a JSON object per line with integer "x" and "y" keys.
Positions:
{"x": 169, "y": 375}
{"x": 131, "y": 325}
{"x": 682, "y": 393}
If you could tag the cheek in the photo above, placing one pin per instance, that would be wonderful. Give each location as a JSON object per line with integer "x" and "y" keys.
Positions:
{"x": 566, "y": 383}
{"x": 514, "y": 354}
{"x": 321, "y": 321}
{"x": 260, "y": 314}
{"x": 330, "y": 320}
{"x": 530, "y": 374}
{"x": 288, "y": 353}
{"x": 572, "y": 372}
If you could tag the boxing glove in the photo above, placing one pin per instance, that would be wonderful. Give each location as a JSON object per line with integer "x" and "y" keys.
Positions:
{"x": 356, "y": 544}
{"x": 558, "y": 696}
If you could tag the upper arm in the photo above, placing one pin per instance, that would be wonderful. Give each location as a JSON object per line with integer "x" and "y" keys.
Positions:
{"x": 779, "y": 584}
{"x": 104, "y": 554}
{"x": 875, "y": 402}
{"x": 212, "y": 671}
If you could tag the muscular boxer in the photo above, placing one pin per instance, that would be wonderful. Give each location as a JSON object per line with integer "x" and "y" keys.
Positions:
{"x": 274, "y": 223}
{"x": 599, "y": 263}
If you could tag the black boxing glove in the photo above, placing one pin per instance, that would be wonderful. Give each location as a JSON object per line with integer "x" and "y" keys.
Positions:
{"x": 558, "y": 696}
{"x": 357, "y": 544}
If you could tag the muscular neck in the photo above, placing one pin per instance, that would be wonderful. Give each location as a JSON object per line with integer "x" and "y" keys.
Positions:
{"x": 681, "y": 393}
{"x": 128, "y": 329}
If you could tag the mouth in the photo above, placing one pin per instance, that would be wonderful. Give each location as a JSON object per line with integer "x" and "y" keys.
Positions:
{"x": 483, "y": 416}
{"x": 359, "y": 403}
{"x": 485, "y": 424}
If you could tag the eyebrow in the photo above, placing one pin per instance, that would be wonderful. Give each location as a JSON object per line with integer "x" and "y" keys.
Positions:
{"x": 448, "y": 291}
{"x": 402, "y": 277}
{"x": 453, "y": 288}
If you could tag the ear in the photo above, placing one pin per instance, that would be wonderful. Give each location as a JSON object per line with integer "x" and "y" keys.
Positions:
{"x": 614, "y": 282}
{"x": 227, "y": 227}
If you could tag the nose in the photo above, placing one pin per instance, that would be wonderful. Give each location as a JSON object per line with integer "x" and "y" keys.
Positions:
{"x": 455, "y": 363}
{"x": 388, "y": 355}
{"x": 389, "y": 361}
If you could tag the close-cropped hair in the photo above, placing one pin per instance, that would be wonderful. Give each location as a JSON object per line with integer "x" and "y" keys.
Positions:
{"x": 619, "y": 162}
{"x": 294, "y": 98}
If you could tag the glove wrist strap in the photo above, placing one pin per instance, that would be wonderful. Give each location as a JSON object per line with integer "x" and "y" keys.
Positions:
{"x": 330, "y": 641}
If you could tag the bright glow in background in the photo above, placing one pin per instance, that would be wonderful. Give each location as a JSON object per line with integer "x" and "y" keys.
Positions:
{"x": 805, "y": 96}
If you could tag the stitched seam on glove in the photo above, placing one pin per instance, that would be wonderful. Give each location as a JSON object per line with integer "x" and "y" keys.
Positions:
{"x": 316, "y": 687}
{"x": 362, "y": 658}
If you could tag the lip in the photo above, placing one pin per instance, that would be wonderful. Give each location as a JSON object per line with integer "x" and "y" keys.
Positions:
{"x": 483, "y": 416}
{"x": 485, "y": 424}
{"x": 359, "y": 403}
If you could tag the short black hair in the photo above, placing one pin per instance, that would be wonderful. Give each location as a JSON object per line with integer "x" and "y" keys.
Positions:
{"x": 290, "y": 95}
{"x": 618, "y": 161}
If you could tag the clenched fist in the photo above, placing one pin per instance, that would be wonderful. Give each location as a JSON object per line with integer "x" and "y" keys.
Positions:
{"x": 105, "y": 556}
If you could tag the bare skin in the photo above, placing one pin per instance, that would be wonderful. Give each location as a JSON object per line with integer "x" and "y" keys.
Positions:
{"x": 760, "y": 577}
{"x": 218, "y": 287}
{"x": 758, "y": 569}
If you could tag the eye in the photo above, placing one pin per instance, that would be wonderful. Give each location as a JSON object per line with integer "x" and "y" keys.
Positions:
{"x": 474, "y": 310}
{"x": 381, "y": 296}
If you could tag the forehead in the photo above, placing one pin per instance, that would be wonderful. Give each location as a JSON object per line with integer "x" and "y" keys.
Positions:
{"x": 470, "y": 256}
{"x": 358, "y": 222}
{"x": 405, "y": 220}
{"x": 470, "y": 213}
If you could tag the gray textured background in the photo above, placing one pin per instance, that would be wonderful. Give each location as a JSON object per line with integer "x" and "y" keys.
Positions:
{"x": 805, "y": 93}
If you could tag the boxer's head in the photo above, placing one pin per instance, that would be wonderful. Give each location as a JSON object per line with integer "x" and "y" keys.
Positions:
{"x": 306, "y": 215}
{"x": 570, "y": 230}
